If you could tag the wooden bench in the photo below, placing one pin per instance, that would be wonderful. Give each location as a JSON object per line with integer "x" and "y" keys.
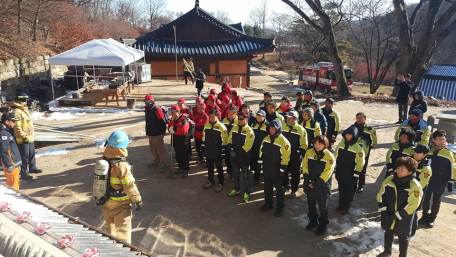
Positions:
{"x": 123, "y": 90}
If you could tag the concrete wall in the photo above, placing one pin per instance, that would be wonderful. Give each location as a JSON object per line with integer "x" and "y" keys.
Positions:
{"x": 20, "y": 72}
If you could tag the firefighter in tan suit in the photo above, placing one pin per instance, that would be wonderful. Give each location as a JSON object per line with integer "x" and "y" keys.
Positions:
{"x": 123, "y": 192}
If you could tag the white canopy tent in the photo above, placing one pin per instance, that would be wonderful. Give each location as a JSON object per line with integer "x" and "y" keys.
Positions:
{"x": 98, "y": 52}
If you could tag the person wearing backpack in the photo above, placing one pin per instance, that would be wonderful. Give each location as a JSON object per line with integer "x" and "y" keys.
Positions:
{"x": 179, "y": 128}
{"x": 156, "y": 120}
{"x": 122, "y": 188}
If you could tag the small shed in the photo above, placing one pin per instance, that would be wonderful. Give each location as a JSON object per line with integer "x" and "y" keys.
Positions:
{"x": 440, "y": 82}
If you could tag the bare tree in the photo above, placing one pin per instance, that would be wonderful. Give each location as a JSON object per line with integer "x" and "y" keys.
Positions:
{"x": 280, "y": 24}
{"x": 419, "y": 41}
{"x": 259, "y": 16}
{"x": 373, "y": 31}
{"x": 156, "y": 9}
{"x": 222, "y": 16}
{"x": 327, "y": 22}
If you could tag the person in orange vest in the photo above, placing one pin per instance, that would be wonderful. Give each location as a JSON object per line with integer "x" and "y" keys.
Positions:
{"x": 10, "y": 157}
{"x": 25, "y": 136}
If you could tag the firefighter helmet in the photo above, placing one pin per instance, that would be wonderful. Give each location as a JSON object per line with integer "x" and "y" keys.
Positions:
{"x": 118, "y": 139}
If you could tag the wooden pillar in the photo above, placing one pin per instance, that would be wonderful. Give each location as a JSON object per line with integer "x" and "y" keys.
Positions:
{"x": 247, "y": 83}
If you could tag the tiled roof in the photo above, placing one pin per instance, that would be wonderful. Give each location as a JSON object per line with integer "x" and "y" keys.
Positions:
{"x": 153, "y": 43}
{"x": 442, "y": 70}
{"x": 440, "y": 82}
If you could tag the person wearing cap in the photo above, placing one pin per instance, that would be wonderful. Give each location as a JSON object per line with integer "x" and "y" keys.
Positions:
{"x": 179, "y": 128}
{"x": 443, "y": 166}
{"x": 123, "y": 191}
{"x": 246, "y": 108}
{"x": 211, "y": 105}
{"x": 229, "y": 122}
{"x": 271, "y": 113}
{"x": 367, "y": 140}
{"x": 318, "y": 166}
{"x": 190, "y": 70}
{"x": 200, "y": 78}
{"x": 10, "y": 157}
{"x": 402, "y": 99}
{"x": 214, "y": 93}
{"x": 417, "y": 124}
{"x": 274, "y": 156}
{"x": 423, "y": 175}
{"x": 197, "y": 101}
{"x": 349, "y": 165}
{"x": 155, "y": 130}
{"x": 25, "y": 135}
{"x": 215, "y": 138}
{"x": 299, "y": 100}
{"x": 308, "y": 99}
{"x": 236, "y": 98}
{"x": 184, "y": 109}
{"x": 284, "y": 107}
{"x": 267, "y": 98}
{"x": 226, "y": 105}
{"x": 319, "y": 117}
{"x": 226, "y": 90}
{"x": 240, "y": 141}
{"x": 419, "y": 102}
{"x": 333, "y": 119}
{"x": 201, "y": 119}
{"x": 297, "y": 136}
{"x": 260, "y": 129}
{"x": 401, "y": 148}
{"x": 311, "y": 126}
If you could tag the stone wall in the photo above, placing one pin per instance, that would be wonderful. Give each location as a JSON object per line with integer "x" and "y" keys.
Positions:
{"x": 18, "y": 73}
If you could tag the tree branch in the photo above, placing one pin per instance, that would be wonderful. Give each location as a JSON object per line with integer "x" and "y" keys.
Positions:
{"x": 304, "y": 16}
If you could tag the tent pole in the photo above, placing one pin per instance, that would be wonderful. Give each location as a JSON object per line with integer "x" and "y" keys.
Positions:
{"x": 175, "y": 50}
{"x": 77, "y": 81}
{"x": 52, "y": 84}
{"x": 94, "y": 78}
{"x": 136, "y": 75}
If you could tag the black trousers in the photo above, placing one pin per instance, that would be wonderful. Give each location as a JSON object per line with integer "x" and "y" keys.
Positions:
{"x": 210, "y": 170}
{"x": 229, "y": 167}
{"x": 181, "y": 144}
{"x": 403, "y": 111}
{"x": 295, "y": 169}
{"x": 435, "y": 207}
{"x": 403, "y": 243}
{"x": 256, "y": 167}
{"x": 198, "y": 143}
{"x": 269, "y": 185}
{"x": 187, "y": 74}
{"x": 27, "y": 152}
{"x": 362, "y": 176}
{"x": 346, "y": 194}
{"x": 198, "y": 91}
{"x": 312, "y": 206}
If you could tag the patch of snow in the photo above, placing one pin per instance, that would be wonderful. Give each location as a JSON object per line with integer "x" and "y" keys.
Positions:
{"x": 54, "y": 151}
{"x": 100, "y": 142}
{"x": 65, "y": 127}
{"x": 353, "y": 101}
{"x": 139, "y": 106}
{"x": 452, "y": 147}
{"x": 89, "y": 110}
{"x": 53, "y": 116}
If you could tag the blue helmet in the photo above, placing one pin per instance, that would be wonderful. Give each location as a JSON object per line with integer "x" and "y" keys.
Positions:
{"x": 21, "y": 96}
{"x": 118, "y": 139}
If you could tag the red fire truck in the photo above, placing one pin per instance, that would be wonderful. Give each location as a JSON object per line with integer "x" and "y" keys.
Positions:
{"x": 321, "y": 77}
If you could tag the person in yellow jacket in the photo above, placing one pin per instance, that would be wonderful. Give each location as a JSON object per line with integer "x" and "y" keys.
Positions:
{"x": 274, "y": 156}
{"x": 417, "y": 124}
{"x": 240, "y": 142}
{"x": 318, "y": 166}
{"x": 117, "y": 209}
{"x": 10, "y": 157}
{"x": 398, "y": 199}
{"x": 25, "y": 136}
{"x": 189, "y": 70}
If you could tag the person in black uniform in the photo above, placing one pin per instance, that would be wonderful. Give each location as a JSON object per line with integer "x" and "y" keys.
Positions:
{"x": 402, "y": 99}
{"x": 274, "y": 156}
{"x": 260, "y": 129}
{"x": 267, "y": 98}
{"x": 333, "y": 119}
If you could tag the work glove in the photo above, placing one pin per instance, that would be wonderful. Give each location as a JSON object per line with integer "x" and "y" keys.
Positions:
{"x": 450, "y": 187}
{"x": 10, "y": 169}
{"x": 389, "y": 172}
{"x": 233, "y": 154}
{"x": 171, "y": 130}
{"x": 139, "y": 206}
{"x": 26, "y": 140}
{"x": 392, "y": 217}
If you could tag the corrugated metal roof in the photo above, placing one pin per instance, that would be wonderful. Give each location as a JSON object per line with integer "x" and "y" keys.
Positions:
{"x": 439, "y": 88}
{"x": 442, "y": 70}
{"x": 62, "y": 224}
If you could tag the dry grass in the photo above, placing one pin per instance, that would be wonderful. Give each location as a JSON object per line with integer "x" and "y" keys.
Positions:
{"x": 14, "y": 46}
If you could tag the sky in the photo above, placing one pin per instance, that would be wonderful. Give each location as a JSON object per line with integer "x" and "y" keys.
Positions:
{"x": 238, "y": 10}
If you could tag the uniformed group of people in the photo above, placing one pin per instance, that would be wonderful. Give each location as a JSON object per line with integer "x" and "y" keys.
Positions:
{"x": 18, "y": 142}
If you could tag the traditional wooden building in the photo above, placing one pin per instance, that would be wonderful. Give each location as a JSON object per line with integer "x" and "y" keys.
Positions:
{"x": 216, "y": 47}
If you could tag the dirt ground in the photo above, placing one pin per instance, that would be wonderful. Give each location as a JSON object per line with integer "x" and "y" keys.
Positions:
{"x": 180, "y": 218}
